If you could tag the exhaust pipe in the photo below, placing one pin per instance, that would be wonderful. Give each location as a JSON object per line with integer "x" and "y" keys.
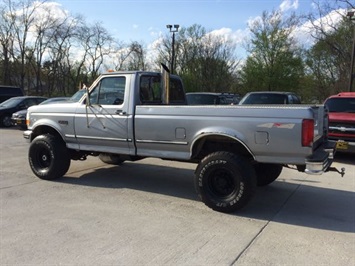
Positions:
{"x": 165, "y": 83}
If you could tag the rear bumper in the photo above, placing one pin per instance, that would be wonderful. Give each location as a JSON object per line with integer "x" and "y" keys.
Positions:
{"x": 321, "y": 160}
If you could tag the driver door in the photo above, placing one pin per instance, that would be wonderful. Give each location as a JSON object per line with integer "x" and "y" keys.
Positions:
{"x": 101, "y": 123}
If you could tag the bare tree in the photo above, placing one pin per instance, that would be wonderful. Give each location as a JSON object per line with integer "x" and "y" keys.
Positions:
{"x": 6, "y": 42}
{"x": 44, "y": 33}
{"x": 98, "y": 43}
{"x": 136, "y": 59}
{"x": 127, "y": 57}
{"x": 330, "y": 57}
{"x": 204, "y": 60}
{"x": 23, "y": 13}
{"x": 59, "y": 67}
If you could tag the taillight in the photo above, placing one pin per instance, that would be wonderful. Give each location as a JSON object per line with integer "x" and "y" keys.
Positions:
{"x": 307, "y": 132}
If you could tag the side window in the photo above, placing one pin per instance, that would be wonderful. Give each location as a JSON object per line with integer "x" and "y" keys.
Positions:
{"x": 290, "y": 99}
{"x": 109, "y": 91}
{"x": 29, "y": 102}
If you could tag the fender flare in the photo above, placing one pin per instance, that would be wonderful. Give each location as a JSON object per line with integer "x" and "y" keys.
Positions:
{"x": 220, "y": 132}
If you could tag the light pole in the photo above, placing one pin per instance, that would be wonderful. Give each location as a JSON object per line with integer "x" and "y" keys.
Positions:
{"x": 351, "y": 15}
{"x": 172, "y": 28}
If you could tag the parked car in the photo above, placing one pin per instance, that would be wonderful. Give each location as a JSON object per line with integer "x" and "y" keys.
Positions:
{"x": 15, "y": 104}
{"x": 211, "y": 98}
{"x": 270, "y": 97}
{"x": 342, "y": 120}
{"x": 19, "y": 118}
{"x": 7, "y": 92}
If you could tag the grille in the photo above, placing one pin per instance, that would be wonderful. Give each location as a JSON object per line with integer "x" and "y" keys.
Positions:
{"x": 343, "y": 130}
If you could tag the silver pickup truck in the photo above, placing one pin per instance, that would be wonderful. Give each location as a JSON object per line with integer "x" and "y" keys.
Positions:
{"x": 133, "y": 115}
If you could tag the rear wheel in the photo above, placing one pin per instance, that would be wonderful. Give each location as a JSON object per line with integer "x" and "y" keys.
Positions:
{"x": 266, "y": 173}
{"x": 225, "y": 181}
{"x": 48, "y": 157}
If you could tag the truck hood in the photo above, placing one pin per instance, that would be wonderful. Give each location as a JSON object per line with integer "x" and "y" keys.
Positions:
{"x": 342, "y": 117}
{"x": 63, "y": 107}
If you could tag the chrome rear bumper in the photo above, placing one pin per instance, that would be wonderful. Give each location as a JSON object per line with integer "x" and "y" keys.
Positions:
{"x": 321, "y": 160}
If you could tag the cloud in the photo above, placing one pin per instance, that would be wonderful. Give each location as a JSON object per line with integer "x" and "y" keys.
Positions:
{"x": 53, "y": 10}
{"x": 303, "y": 34}
{"x": 287, "y": 5}
{"x": 228, "y": 34}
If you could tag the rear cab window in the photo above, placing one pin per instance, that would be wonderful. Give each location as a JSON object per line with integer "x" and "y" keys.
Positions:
{"x": 150, "y": 91}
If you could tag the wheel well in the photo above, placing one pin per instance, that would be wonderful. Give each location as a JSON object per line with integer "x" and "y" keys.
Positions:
{"x": 213, "y": 143}
{"x": 44, "y": 130}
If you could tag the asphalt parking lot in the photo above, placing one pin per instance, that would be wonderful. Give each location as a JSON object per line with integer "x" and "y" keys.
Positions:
{"x": 147, "y": 213}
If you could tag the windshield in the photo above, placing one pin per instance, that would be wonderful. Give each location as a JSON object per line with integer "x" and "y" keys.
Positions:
{"x": 261, "y": 98}
{"x": 77, "y": 96}
{"x": 203, "y": 99}
{"x": 341, "y": 105}
{"x": 12, "y": 102}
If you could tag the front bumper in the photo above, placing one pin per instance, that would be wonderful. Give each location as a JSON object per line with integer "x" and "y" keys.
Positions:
{"x": 19, "y": 122}
{"x": 27, "y": 136}
{"x": 344, "y": 146}
{"x": 321, "y": 160}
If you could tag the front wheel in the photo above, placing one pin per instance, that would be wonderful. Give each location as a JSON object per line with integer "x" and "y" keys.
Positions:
{"x": 48, "y": 157}
{"x": 225, "y": 181}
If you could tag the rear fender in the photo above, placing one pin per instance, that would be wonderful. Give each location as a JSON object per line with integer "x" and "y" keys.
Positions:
{"x": 218, "y": 139}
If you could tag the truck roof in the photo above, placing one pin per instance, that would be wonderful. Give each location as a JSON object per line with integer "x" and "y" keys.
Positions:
{"x": 108, "y": 73}
{"x": 343, "y": 94}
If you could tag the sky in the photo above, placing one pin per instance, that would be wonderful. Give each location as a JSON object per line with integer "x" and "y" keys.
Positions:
{"x": 146, "y": 20}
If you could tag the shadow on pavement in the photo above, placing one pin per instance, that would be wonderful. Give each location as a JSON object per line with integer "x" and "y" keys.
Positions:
{"x": 282, "y": 201}
{"x": 304, "y": 205}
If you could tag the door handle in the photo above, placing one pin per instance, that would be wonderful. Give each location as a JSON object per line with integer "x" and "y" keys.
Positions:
{"x": 120, "y": 112}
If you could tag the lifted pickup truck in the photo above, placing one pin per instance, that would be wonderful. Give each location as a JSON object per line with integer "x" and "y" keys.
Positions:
{"x": 133, "y": 115}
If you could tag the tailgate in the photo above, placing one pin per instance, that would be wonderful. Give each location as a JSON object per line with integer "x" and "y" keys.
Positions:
{"x": 320, "y": 116}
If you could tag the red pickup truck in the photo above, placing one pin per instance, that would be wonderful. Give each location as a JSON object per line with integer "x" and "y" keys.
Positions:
{"x": 342, "y": 120}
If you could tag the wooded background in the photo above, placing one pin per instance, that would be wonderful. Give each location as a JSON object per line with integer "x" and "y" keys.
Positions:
{"x": 54, "y": 55}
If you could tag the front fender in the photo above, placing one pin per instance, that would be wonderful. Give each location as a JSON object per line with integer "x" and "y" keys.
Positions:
{"x": 43, "y": 126}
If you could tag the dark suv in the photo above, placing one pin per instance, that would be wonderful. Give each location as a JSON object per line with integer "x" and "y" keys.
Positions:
{"x": 270, "y": 97}
{"x": 15, "y": 104}
{"x": 7, "y": 92}
{"x": 342, "y": 120}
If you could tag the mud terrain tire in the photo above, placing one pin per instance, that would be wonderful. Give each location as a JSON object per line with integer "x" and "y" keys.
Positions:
{"x": 225, "y": 181}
